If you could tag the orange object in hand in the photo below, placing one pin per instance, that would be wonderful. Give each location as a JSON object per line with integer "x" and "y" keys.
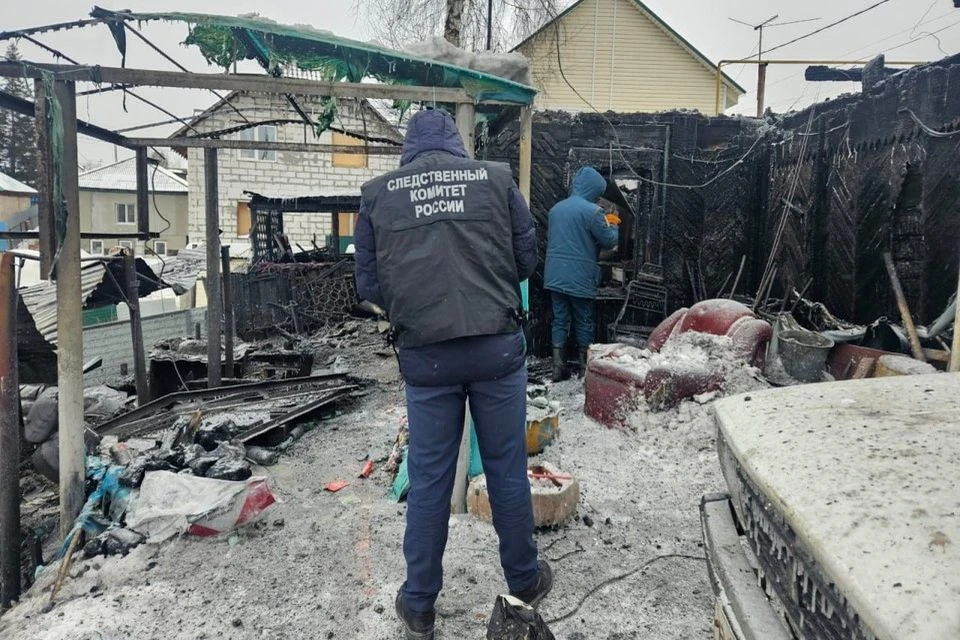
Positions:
{"x": 613, "y": 218}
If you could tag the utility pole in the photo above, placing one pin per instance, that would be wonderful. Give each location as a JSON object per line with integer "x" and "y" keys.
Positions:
{"x": 489, "y": 25}
{"x": 762, "y": 68}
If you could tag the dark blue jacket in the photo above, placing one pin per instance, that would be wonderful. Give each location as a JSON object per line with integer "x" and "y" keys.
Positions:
{"x": 577, "y": 231}
{"x": 462, "y": 360}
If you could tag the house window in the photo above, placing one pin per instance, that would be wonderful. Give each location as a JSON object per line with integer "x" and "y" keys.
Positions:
{"x": 349, "y": 160}
{"x": 160, "y": 247}
{"x": 96, "y": 247}
{"x": 243, "y": 219}
{"x": 126, "y": 244}
{"x": 126, "y": 213}
{"x": 263, "y": 133}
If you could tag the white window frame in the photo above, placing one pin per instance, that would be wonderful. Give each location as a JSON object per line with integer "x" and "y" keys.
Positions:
{"x": 126, "y": 208}
{"x": 126, "y": 244}
{"x": 93, "y": 247}
{"x": 260, "y": 133}
{"x": 156, "y": 247}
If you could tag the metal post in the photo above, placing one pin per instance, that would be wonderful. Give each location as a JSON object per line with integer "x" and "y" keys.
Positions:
{"x": 227, "y": 312}
{"x": 761, "y": 87}
{"x": 143, "y": 194}
{"x": 9, "y": 437}
{"x": 213, "y": 268}
{"x": 132, "y": 292}
{"x": 48, "y": 235}
{"x": 489, "y": 25}
{"x": 69, "y": 324}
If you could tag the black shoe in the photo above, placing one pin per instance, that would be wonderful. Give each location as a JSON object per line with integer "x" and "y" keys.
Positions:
{"x": 417, "y": 625}
{"x": 540, "y": 588}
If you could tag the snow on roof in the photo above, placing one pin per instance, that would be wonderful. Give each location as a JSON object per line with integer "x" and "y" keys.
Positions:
{"x": 122, "y": 176}
{"x": 9, "y": 184}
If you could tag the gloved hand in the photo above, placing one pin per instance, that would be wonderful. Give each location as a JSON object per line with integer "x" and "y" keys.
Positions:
{"x": 612, "y": 218}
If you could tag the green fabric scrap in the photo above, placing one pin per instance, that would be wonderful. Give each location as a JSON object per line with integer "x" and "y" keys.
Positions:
{"x": 401, "y": 484}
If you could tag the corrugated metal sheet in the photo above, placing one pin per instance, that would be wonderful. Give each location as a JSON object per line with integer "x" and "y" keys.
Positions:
{"x": 122, "y": 176}
{"x": 9, "y": 184}
{"x": 99, "y": 285}
{"x": 41, "y": 299}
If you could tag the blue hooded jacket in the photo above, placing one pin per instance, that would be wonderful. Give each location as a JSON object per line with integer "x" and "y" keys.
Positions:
{"x": 462, "y": 360}
{"x": 577, "y": 231}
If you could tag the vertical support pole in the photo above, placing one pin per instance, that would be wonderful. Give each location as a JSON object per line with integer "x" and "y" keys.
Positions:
{"x": 69, "y": 324}
{"x": 335, "y": 233}
{"x": 45, "y": 217}
{"x": 526, "y": 151}
{"x": 132, "y": 292}
{"x": 905, "y": 315}
{"x": 955, "y": 345}
{"x": 761, "y": 87}
{"x": 143, "y": 195}
{"x": 466, "y": 124}
{"x": 227, "y": 312}
{"x": 664, "y": 178}
{"x": 214, "y": 308}
{"x": 9, "y": 437}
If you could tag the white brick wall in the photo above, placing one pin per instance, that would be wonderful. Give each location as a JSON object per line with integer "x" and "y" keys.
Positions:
{"x": 291, "y": 175}
{"x": 113, "y": 343}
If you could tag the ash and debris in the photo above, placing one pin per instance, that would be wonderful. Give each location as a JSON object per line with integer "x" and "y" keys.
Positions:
{"x": 327, "y": 565}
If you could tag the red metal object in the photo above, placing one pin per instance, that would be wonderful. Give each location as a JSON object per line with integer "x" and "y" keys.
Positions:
{"x": 367, "y": 470}
{"x": 333, "y": 487}
{"x": 848, "y": 361}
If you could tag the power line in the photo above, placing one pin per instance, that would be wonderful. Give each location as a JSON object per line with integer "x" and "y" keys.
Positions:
{"x": 824, "y": 28}
{"x": 868, "y": 46}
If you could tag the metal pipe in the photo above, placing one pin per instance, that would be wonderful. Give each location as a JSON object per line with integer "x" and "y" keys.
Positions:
{"x": 143, "y": 193}
{"x": 227, "y": 312}
{"x": 132, "y": 293}
{"x": 9, "y": 437}
{"x": 213, "y": 267}
{"x": 904, "y": 309}
{"x": 70, "y": 321}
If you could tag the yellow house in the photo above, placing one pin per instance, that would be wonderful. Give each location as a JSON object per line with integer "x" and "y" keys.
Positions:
{"x": 618, "y": 55}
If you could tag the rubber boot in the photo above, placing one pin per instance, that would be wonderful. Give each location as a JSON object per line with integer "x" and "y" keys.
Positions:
{"x": 559, "y": 368}
{"x": 582, "y": 361}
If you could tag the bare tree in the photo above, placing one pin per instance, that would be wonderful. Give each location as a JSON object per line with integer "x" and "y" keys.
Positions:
{"x": 462, "y": 22}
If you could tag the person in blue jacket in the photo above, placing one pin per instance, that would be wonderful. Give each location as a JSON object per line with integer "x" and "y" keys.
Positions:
{"x": 442, "y": 243}
{"x": 577, "y": 230}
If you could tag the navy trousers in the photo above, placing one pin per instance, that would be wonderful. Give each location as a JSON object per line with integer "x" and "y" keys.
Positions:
{"x": 435, "y": 416}
{"x": 580, "y": 310}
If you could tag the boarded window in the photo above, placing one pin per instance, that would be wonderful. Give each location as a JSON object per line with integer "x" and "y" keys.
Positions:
{"x": 243, "y": 219}
{"x": 345, "y": 224}
{"x": 348, "y": 160}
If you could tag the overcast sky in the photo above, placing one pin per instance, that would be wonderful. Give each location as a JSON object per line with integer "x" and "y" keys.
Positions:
{"x": 903, "y": 29}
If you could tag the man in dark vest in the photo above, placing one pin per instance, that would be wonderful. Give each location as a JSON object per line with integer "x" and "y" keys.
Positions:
{"x": 443, "y": 243}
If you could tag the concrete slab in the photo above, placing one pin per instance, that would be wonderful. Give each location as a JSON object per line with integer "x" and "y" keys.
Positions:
{"x": 864, "y": 473}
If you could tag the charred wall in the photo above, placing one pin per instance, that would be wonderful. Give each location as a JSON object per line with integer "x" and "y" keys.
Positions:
{"x": 855, "y": 177}
{"x": 697, "y": 233}
{"x": 869, "y": 180}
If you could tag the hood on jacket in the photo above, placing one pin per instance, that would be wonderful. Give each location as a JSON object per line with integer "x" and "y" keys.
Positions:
{"x": 432, "y": 130}
{"x": 588, "y": 184}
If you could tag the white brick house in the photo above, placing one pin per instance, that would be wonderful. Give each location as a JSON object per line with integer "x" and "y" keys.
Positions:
{"x": 282, "y": 174}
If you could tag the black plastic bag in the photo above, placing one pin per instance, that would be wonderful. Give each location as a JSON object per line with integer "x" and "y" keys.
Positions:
{"x": 514, "y": 619}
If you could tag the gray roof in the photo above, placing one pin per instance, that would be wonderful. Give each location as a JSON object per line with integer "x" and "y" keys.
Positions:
{"x": 9, "y": 184}
{"x": 122, "y": 176}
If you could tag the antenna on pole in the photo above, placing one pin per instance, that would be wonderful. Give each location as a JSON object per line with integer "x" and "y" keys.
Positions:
{"x": 762, "y": 68}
